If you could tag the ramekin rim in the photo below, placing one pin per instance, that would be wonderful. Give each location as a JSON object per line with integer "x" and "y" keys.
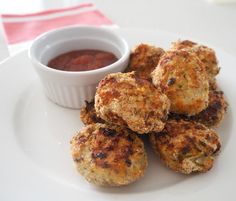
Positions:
{"x": 44, "y": 67}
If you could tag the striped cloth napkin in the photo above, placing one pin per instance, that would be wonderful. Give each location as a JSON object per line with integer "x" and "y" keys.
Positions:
{"x": 22, "y": 28}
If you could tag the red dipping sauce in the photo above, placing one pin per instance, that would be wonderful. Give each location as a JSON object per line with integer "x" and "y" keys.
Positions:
{"x": 82, "y": 60}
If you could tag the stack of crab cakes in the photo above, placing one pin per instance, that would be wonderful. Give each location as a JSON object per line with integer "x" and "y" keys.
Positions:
{"x": 170, "y": 96}
{"x": 108, "y": 150}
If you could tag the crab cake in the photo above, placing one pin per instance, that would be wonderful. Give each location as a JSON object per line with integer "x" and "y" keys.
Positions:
{"x": 215, "y": 112}
{"x": 143, "y": 60}
{"x": 126, "y": 100}
{"x": 179, "y": 45}
{"x": 212, "y": 115}
{"x": 88, "y": 114}
{"x": 186, "y": 147}
{"x": 108, "y": 155}
{"x": 182, "y": 77}
{"x": 205, "y": 54}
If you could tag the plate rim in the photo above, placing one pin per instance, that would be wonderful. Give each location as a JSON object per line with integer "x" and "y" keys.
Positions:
{"x": 22, "y": 52}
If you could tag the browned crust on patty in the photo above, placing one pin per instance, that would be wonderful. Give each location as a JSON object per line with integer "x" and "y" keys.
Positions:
{"x": 143, "y": 60}
{"x": 182, "y": 77}
{"x": 108, "y": 155}
{"x": 126, "y": 100}
{"x": 204, "y": 53}
{"x": 213, "y": 115}
{"x": 186, "y": 147}
{"x": 88, "y": 114}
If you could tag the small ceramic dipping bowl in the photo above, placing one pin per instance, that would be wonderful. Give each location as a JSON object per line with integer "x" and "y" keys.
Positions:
{"x": 72, "y": 88}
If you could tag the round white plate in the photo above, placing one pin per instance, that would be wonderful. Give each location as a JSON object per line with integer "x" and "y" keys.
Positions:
{"x": 35, "y": 149}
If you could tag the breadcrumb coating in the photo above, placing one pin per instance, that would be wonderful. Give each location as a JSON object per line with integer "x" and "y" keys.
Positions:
{"x": 213, "y": 115}
{"x": 88, "y": 114}
{"x": 143, "y": 60}
{"x": 186, "y": 147}
{"x": 205, "y": 54}
{"x": 182, "y": 77}
{"x": 108, "y": 155}
{"x": 126, "y": 100}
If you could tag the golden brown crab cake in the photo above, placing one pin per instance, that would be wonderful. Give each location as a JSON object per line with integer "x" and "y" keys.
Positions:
{"x": 205, "y": 54}
{"x": 143, "y": 60}
{"x": 186, "y": 147}
{"x": 88, "y": 114}
{"x": 213, "y": 84}
{"x": 182, "y": 77}
{"x": 126, "y": 100}
{"x": 213, "y": 115}
{"x": 182, "y": 44}
{"x": 108, "y": 155}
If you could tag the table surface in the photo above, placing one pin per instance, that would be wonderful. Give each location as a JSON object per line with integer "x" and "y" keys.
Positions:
{"x": 199, "y": 19}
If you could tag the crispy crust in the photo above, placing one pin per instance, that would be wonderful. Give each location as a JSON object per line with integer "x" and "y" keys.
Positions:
{"x": 179, "y": 45}
{"x": 88, "y": 114}
{"x": 186, "y": 147}
{"x": 108, "y": 155}
{"x": 126, "y": 100}
{"x": 213, "y": 115}
{"x": 143, "y": 60}
{"x": 204, "y": 53}
{"x": 182, "y": 77}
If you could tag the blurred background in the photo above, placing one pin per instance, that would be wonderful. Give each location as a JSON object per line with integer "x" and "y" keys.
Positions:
{"x": 213, "y": 21}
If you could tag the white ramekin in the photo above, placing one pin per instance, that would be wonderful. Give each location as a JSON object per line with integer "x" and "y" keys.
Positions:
{"x": 71, "y": 89}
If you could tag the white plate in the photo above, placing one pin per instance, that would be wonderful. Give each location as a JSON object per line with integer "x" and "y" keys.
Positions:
{"x": 35, "y": 150}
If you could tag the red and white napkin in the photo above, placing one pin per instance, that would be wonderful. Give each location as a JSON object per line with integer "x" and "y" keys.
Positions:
{"x": 22, "y": 28}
